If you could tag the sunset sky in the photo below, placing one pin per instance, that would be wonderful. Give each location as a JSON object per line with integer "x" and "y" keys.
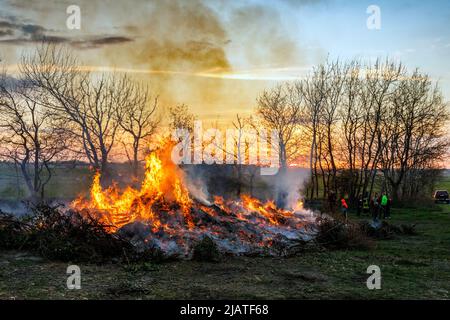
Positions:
{"x": 217, "y": 56}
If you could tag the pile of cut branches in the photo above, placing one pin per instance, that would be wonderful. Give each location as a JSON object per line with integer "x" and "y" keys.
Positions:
{"x": 336, "y": 234}
{"x": 387, "y": 231}
{"x": 63, "y": 235}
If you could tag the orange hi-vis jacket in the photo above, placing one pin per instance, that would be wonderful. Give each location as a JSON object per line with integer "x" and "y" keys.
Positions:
{"x": 344, "y": 203}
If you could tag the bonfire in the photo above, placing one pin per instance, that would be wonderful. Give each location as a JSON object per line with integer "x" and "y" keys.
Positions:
{"x": 163, "y": 214}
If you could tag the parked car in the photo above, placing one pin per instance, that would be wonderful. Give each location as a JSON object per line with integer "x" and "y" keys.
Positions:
{"x": 441, "y": 196}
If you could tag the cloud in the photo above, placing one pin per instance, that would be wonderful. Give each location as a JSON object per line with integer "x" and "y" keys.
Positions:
{"x": 16, "y": 32}
{"x": 13, "y": 32}
{"x": 4, "y": 33}
{"x": 10, "y": 82}
{"x": 100, "y": 41}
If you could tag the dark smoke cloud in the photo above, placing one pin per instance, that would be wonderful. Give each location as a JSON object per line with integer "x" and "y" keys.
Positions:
{"x": 20, "y": 32}
{"x": 13, "y": 32}
{"x": 263, "y": 38}
{"x": 100, "y": 42}
{"x": 184, "y": 35}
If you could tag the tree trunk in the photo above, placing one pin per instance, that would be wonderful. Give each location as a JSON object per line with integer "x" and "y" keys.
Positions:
{"x": 135, "y": 160}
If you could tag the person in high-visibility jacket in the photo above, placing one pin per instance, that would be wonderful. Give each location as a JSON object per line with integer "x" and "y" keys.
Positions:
{"x": 344, "y": 208}
{"x": 384, "y": 204}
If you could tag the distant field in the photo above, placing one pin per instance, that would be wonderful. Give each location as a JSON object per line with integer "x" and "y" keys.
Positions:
{"x": 69, "y": 183}
{"x": 444, "y": 183}
{"x": 66, "y": 183}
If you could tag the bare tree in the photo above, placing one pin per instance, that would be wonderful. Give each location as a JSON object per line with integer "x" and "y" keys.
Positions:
{"x": 103, "y": 104}
{"x": 323, "y": 94}
{"x": 415, "y": 135}
{"x": 182, "y": 121}
{"x": 237, "y": 148}
{"x": 91, "y": 105}
{"x": 352, "y": 121}
{"x": 30, "y": 137}
{"x": 280, "y": 109}
{"x": 379, "y": 83}
{"x": 180, "y": 117}
{"x": 139, "y": 121}
{"x": 313, "y": 91}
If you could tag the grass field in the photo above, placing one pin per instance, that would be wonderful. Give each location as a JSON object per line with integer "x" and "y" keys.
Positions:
{"x": 412, "y": 267}
{"x": 65, "y": 184}
{"x": 444, "y": 183}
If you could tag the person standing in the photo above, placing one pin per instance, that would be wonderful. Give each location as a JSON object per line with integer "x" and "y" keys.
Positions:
{"x": 388, "y": 208}
{"x": 384, "y": 202}
{"x": 344, "y": 208}
{"x": 360, "y": 205}
{"x": 375, "y": 207}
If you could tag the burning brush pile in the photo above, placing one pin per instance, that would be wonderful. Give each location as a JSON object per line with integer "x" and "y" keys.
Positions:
{"x": 163, "y": 215}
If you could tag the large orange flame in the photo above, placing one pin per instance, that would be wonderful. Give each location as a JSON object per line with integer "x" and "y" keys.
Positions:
{"x": 161, "y": 185}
